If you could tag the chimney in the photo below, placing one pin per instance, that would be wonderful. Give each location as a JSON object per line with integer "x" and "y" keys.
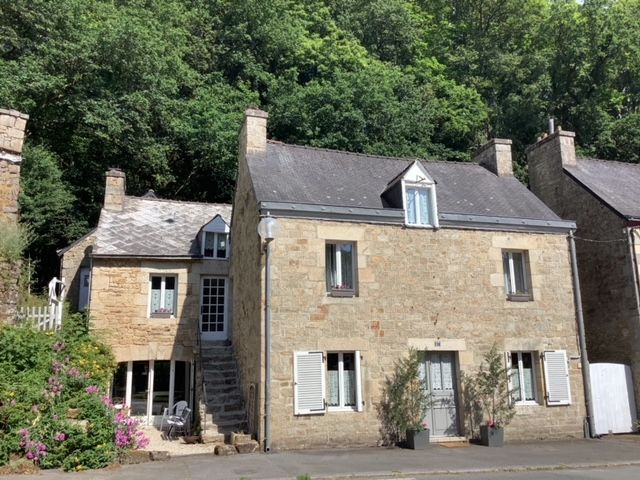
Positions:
{"x": 253, "y": 135}
{"x": 546, "y": 160}
{"x": 495, "y": 156}
{"x": 12, "y": 129}
{"x": 114, "y": 190}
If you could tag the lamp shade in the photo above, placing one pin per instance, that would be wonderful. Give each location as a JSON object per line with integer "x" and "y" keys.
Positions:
{"x": 268, "y": 228}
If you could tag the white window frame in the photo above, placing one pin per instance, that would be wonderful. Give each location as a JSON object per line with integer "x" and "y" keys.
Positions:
{"x": 347, "y": 292}
{"x": 433, "y": 208}
{"x": 163, "y": 281}
{"x": 510, "y": 276}
{"x": 216, "y": 235}
{"x": 534, "y": 372}
{"x": 357, "y": 386}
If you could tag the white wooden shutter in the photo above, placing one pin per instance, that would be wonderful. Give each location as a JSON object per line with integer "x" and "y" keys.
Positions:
{"x": 556, "y": 375}
{"x": 359, "y": 399}
{"x": 508, "y": 367}
{"x": 308, "y": 378}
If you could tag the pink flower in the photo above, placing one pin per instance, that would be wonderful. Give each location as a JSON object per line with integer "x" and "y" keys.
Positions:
{"x": 59, "y": 346}
{"x": 92, "y": 389}
{"x": 60, "y": 437}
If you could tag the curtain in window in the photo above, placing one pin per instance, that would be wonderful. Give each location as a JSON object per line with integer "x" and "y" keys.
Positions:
{"x": 516, "y": 393}
{"x": 349, "y": 388}
{"x": 221, "y": 245}
{"x": 518, "y": 272}
{"x": 331, "y": 266}
{"x": 209, "y": 242}
{"x": 156, "y": 285}
{"x": 436, "y": 373}
{"x": 333, "y": 380}
{"x": 169, "y": 293}
{"x": 527, "y": 373}
{"x": 423, "y": 198}
{"x": 346, "y": 263}
{"x": 411, "y": 205}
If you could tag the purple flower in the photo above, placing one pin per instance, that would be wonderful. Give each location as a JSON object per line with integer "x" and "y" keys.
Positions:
{"x": 73, "y": 372}
{"x": 60, "y": 437}
{"x": 91, "y": 389}
{"x": 106, "y": 401}
{"x": 56, "y": 366}
{"x": 58, "y": 346}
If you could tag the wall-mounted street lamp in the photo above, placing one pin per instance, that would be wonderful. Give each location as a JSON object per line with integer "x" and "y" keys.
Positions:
{"x": 268, "y": 229}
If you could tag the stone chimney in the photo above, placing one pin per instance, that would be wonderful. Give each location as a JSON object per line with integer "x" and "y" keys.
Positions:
{"x": 114, "y": 190}
{"x": 253, "y": 135}
{"x": 495, "y": 156}
{"x": 546, "y": 159}
{"x": 12, "y": 128}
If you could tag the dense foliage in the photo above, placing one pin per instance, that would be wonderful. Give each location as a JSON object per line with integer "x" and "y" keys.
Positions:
{"x": 53, "y": 407}
{"x": 158, "y": 88}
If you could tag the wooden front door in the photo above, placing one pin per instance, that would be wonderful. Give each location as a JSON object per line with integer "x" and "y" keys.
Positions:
{"x": 440, "y": 371}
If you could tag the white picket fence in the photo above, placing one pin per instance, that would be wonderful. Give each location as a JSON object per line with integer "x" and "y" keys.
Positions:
{"x": 48, "y": 317}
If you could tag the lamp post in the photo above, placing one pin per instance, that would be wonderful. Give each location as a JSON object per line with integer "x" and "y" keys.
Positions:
{"x": 268, "y": 229}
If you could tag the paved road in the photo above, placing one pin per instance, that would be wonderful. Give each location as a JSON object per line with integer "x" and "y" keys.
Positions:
{"x": 616, "y": 458}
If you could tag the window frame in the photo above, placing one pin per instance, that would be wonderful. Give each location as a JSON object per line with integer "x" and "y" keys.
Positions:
{"x": 341, "y": 393}
{"x": 520, "y": 371}
{"x": 225, "y": 303}
{"x": 341, "y": 292}
{"x": 430, "y": 188}
{"x": 510, "y": 277}
{"x": 215, "y": 245}
{"x": 163, "y": 280}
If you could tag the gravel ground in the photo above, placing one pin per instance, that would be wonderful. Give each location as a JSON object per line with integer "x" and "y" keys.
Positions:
{"x": 175, "y": 447}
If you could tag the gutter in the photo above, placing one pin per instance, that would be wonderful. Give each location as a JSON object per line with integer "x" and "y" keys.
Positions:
{"x": 584, "y": 359}
{"x": 634, "y": 265}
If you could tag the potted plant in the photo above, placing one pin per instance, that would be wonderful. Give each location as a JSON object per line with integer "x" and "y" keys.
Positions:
{"x": 492, "y": 388}
{"x": 406, "y": 401}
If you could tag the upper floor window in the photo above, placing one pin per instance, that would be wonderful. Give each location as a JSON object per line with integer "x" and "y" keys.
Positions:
{"x": 517, "y": 281}
{"x": 163, "y": 295}
{"x": 418, "y": 205}
{"x": 214, "y": 238}
{"x": 216, "y": 245}
{"x": 341, "y": 268}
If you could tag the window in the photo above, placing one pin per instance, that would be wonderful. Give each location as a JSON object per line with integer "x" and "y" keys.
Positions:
{"x": 216, "y": 245}
{"x": 330, "y": 382}
{"x": 341, "y": 380}
{"x": 212, "y": 308}
{"x": 341, "y": 269}
{"x": 163, "y": 295}
{"x": 516, "y": 275}
{"x": 418, "y": 205}
{"x": 523, "y": 377}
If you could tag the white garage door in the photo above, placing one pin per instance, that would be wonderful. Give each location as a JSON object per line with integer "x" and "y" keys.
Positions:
{"x": 614, "y": 406}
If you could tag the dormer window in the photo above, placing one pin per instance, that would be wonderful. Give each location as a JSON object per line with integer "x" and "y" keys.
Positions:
{"x": 418, "y": 205}
{"x": 216, "y": 245}
{"x": 214, "y": 238}
{"x": 415, "y": 191}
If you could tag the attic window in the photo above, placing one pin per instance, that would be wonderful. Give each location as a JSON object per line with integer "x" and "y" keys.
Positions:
{"x": 415, "y": 190}
{"x": 216, "y": 245}
{"x": 418, "y": 206}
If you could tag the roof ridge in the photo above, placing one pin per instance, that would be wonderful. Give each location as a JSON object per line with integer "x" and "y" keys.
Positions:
{"x": 603, "y": 160}
{"x": 168, "y": 200}
{"x": 367, "y": 155}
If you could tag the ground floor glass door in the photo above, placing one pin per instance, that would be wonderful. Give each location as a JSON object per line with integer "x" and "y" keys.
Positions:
{"x": 439, "y": 368}
{"x": 213, "y": 308}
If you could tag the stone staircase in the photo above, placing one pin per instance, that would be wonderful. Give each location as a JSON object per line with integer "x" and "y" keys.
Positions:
{"x": 225, "y": 409}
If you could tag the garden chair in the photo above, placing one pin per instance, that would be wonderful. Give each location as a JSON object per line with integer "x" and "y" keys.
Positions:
{"x": 179, "y": 423}
{"x": 175, "y": 411}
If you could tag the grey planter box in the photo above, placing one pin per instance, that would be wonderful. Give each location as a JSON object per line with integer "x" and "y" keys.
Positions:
{"x": 418, "y": 440}
{"x": 491, "y": 437}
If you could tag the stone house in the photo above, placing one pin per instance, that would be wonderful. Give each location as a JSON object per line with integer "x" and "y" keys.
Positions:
{"x": 377, "y": 255}
{"x": 154, "y": 275}
{"x": 602, "y": 196}
{"x": 12, "y": 133}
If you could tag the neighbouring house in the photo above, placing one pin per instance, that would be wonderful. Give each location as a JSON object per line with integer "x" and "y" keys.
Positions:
{"x": 154, "y": 275}
{"x": 377, "y": 255}
{"x": 12, "y": 132}
{"x": 604, "y": 199}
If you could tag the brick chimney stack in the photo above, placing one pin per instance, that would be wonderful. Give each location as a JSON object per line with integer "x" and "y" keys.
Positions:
{"x": 495, "y": 156}
{"x": 12, "y": 130}
{"x": 114, "y": 190}
{"x": 546, "y": 159}
{"x": 253, "y": 135}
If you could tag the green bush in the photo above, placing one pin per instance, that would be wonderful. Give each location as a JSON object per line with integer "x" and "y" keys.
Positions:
{"x": 45, "y": 374}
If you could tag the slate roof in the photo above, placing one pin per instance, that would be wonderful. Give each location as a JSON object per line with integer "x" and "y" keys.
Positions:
{"x": 150, "y": 227}
{"x": 314, "y": 176}
{"x": 616, "y": 183}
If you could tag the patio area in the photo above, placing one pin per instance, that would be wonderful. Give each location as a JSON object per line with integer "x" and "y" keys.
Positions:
{"x": 176, "y": 447}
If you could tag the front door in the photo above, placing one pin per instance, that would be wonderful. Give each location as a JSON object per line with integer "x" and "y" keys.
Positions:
{"x": 213, "y": 308}
{"x": 85, "y": 283}
{"x": 440, "y": 370}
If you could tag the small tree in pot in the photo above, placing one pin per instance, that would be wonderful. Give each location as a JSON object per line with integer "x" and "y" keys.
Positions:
{"x": 492, "y": 387}
{"x": 405, "y": 404}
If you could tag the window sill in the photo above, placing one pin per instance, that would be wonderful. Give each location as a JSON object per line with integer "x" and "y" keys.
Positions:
{"x": 161, "y": 315}
{"x": 342, "y": 409}
{"x": 512, "y": 297}
{"x": 342, "y": 293}
{"x": 215, "y": 258}
{"x": 419, "y": 225}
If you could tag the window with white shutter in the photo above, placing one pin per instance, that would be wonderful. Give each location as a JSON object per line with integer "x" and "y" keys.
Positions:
{"x": 308, "y": 377}
{"x": 556, "y": 375}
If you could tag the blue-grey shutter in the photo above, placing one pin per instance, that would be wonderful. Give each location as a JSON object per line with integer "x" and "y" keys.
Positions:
{"x": 308, "y": 377}
{"x": 556, "y": 375}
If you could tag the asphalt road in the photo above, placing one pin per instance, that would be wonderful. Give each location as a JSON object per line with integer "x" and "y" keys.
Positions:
{"x": 610, "y": 473}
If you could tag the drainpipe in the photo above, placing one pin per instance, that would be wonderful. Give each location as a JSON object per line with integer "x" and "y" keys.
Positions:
{"x": 584, "y": 359}
{"x": 634, "y": 265}
{"x": 267, "y": 341}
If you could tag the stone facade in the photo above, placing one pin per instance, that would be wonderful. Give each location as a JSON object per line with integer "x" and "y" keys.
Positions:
{"x": 120, "y": 294}
{"x": 72, "y": 259}
{"x": 605, "y": 263}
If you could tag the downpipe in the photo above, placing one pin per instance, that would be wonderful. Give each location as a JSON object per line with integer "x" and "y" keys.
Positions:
{"x": 584, "y": 359}
{"x": 267, "y": 341}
